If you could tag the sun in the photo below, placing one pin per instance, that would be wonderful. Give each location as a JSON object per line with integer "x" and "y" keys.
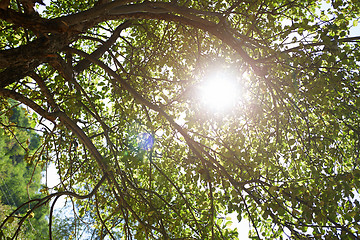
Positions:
{"x": 219, "y": 92}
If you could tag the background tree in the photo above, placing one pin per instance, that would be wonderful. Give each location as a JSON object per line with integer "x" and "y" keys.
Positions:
{"x": 19, "y": 176}
{"x": 115, "y": 84}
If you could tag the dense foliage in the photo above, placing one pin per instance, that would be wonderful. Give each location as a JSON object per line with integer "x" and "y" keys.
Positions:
{"x": 20, "y": 174}
{"x": 115, "y": 85}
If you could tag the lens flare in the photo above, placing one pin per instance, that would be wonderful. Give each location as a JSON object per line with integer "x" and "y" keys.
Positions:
{"x": 145, "y": 141}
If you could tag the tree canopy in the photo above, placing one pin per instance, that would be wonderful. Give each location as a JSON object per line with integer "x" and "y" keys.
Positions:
{"x": 116, "y": 87}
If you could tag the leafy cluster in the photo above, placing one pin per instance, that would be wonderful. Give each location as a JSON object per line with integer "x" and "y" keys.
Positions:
{"x": 115, "y": 84}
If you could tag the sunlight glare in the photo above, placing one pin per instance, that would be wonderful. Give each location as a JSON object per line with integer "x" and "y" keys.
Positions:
{"x": 220, "y": 92}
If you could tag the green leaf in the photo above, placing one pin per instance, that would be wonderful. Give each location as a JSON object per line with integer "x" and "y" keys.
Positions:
{"x": 11, "y": 219}
{"x": 31, "y": 215}
{"x": 228, "y": 223}
{"x": 82, "y": 212}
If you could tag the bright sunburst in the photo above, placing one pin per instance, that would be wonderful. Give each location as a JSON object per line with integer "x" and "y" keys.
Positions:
{"x": 219, "y": 92}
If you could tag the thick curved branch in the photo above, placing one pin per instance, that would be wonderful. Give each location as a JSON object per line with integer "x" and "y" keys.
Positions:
{"x": 37, "y": 49}
{"x": 20, "y": 62}
{"x": 84, "y": 64}
{"x": 17, "y": 96}
{"x": 33, "y": 22}
{"x": 44, "y": 47}
{"x": 14, "y": 74}
{"x": 63, "y": 119}
{"x": 95, "y": 13}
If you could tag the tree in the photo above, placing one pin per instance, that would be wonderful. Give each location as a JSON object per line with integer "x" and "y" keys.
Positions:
{"x": 19, "y": 174}
{"x": 115, "y": 85}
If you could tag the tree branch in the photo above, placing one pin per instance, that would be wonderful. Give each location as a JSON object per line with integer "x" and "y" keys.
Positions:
{"x": 84, "y": 64}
